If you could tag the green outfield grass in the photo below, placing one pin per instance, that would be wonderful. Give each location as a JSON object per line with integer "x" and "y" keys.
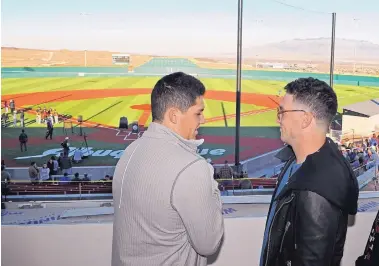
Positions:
{"x": 90, "y": 107}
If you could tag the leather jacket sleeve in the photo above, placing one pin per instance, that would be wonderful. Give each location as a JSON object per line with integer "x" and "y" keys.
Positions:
{"x": 316, "y": 229}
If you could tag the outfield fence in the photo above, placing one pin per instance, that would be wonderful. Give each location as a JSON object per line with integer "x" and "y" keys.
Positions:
{"x": 196, "y": 71}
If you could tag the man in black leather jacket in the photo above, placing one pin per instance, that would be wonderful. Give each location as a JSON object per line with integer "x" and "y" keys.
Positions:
{"x": 317, "y": 190}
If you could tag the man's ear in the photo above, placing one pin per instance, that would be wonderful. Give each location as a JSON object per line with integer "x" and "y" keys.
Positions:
{"x": 308, "y": 117}
{"x": 173, "y": 115}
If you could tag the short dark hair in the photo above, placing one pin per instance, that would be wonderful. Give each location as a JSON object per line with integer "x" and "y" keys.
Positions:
{"x": 175, "y": 90}
{"x": 315, "y": 93}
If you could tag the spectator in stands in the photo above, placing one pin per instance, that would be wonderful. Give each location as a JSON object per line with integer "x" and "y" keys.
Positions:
{"x": 361, "y": 169}
{"x": 5, "y": 175}
{"x": 52, "y": 164}
{"x": 226, "y": 172}
{"x": 60, "y": 160}
{"x": 344, "y": 153}
{"x": 44, "y": 173}
{"x": 78, "y": 156}
{"x": 374, "y": 147}
{"x": 352, "y": 155}
{"x": 317, "y": 188}
{"x": 66, "y": 165}
{"x": 215, "y": 174}
{"x": 373, "y": 140}
{"x": 86, "y": 178}
{"x": 246, "y": 184}
{"x": 367, "y": 143}
{"x": 355, "y": 163}
{"x": 56, "y": 165}
{"x": 372, "y": 159}
{"x": 33, "y": 172}
{"x": 76, "y": 178}
{"x": 65, "y": 180}
{"x": 167, "y": 206}
{"x": 5, "y": 179}
{"x": 66, "y": 147}
{"x": 107, "y": 178}
{"x": 23, "y": 139}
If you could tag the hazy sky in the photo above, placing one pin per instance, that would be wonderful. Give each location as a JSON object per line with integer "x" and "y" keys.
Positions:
{"x": 198, "y": 27}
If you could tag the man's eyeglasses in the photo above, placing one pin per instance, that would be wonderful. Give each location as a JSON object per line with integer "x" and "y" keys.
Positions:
{"x": 279, "y": 112}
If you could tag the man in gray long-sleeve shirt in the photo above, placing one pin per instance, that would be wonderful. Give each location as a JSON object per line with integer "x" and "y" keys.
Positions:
{"x": 167, "y": 206}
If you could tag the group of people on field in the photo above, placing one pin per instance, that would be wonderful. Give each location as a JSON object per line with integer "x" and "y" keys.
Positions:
{"x": 43, "y": 115}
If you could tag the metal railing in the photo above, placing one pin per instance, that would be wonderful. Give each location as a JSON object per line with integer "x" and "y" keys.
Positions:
{"x": 363, "y": 169}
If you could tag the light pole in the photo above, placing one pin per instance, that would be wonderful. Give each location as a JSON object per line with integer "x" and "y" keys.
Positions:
{"x": 238, "y": 85}
{"x": 332, "y": 49}
{"x": 84, "y": 14}
{"x": 257, "y": 22}
{"x": 355, "y": 46}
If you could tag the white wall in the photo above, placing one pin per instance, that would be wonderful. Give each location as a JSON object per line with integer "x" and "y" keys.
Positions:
{"x": 90, "y": 244}
{"x": 361, "y": 125}
{"x": 374, "y": 120}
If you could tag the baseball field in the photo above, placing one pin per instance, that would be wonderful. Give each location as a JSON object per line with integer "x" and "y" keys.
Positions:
{"x": 101, "y": 101}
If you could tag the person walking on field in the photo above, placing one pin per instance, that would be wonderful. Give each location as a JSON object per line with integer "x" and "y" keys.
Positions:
{"x": 23, "y": 138}
{"x": 50, "y": 129}
{"x": 167, "y": 205}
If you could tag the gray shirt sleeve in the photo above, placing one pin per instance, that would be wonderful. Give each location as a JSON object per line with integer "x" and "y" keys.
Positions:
{"x": 195, "y": 196}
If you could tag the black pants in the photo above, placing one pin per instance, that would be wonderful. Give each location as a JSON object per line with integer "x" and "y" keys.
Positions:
{"x": 23, "y": 144}
{"x": 49, "y": 133}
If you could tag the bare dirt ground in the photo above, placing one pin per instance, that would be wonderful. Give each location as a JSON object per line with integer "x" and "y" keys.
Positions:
{"x": 21, "y": 57}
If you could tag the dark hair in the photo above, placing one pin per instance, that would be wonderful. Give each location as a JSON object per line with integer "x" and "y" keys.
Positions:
{"x": 317, "y": 95}
{"x": 32, "y": 163}
{"x": 175, "y": 90}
